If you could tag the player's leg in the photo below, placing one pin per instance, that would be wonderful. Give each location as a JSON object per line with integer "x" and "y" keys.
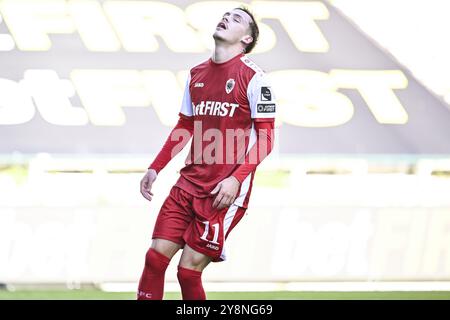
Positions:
{"x": 166, "y": 247}
{"x": 157, "y": 259}
{"x": 205, "y": 242}
{"x": 167, "y": 237}
{"x": 192, "y": 263}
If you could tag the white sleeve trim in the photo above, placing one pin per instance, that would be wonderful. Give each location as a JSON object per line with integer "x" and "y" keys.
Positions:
{"x": 261, "y": 97}
{"x": 186, "y": 104}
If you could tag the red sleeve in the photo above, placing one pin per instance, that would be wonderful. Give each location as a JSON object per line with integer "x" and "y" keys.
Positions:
{"x": 260, "y": 150}
{"x": 176, "y": 141}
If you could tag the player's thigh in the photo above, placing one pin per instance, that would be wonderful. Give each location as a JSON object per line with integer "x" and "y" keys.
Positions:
{"x": 165, "y": 247}
{"x": 193, "y": 260}
{"x": 173, "y": 219}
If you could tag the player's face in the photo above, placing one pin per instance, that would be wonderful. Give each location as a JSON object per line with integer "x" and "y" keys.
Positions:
{"x": 234, "y": 27}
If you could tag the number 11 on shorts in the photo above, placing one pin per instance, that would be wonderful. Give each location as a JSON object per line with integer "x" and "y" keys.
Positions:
{"x": 216, "y": 232}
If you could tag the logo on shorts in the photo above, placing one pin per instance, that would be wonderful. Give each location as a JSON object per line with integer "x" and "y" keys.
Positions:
{"x": 229, "y": 86}
{"x": 211, "y": 246}
{"x": 266, "y": 95}
{"x": 199, "y": 85}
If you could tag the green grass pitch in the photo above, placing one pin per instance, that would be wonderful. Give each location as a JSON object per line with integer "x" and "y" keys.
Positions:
{"x": 90, "y": 294}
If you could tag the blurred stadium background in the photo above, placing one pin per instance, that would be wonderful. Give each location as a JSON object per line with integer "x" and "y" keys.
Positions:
{"x": 353, "y": 203}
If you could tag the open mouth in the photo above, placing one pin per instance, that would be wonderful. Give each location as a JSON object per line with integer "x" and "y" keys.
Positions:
{"x": 222, "y": 25}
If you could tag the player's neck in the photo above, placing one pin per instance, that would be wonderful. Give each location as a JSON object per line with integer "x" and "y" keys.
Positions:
{"x": 222, "y": 54}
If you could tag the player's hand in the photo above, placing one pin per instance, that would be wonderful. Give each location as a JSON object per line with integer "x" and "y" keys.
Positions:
{"x": 146, "y": 184}
{"x": 226, "y": 191}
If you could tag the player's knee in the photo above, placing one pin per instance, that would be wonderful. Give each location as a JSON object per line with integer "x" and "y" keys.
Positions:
{"x": 193, "y": 263}
{"x": 193, "y": 260}
{"x": 166, "y": 247}
{"x": 156, "y": 262}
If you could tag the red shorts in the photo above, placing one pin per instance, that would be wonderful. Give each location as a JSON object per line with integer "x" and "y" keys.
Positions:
{"x": 184, "y": 218}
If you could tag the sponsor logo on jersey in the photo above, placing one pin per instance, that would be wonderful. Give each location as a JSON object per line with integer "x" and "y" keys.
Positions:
{"x": 266, "y": 95}
{"x": 199, "y": 85}
{"x": 229, "y": 86}
{"x": 265, "y": 107}
{"x": 215, "y": 108}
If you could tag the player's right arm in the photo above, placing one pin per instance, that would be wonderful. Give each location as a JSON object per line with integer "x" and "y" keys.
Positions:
{"x": 177, "y": 140}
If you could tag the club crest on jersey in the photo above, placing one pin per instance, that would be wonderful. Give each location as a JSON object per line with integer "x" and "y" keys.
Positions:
{"x": 229, "y": 86}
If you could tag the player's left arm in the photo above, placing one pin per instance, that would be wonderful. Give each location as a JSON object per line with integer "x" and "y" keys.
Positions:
{"x": 263, "y": 106}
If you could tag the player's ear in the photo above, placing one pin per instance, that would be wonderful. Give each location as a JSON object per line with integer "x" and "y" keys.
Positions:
{"x": 247, "y": 39}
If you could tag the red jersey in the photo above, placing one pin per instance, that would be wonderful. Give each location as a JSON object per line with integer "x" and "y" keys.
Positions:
{"x": 223, "y": 98}
{"x": 222, "y": 102}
